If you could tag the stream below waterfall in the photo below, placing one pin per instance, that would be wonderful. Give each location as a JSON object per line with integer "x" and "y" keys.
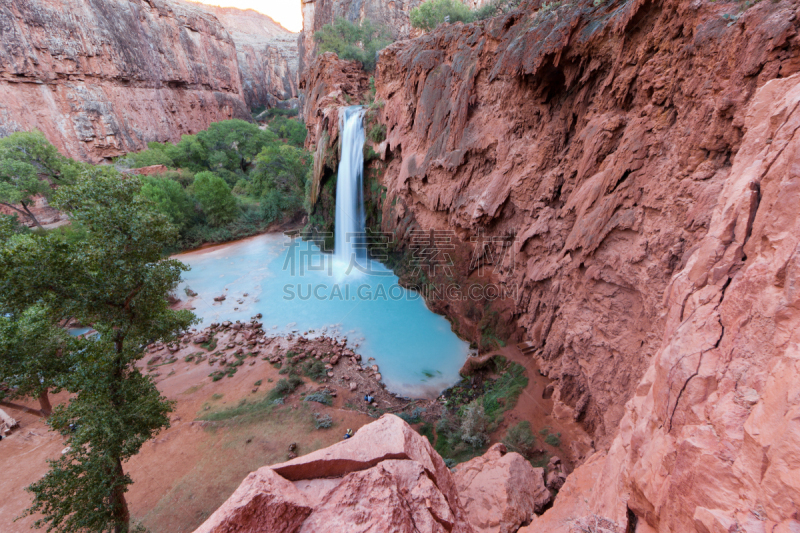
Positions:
{"x": 298, "y": 288}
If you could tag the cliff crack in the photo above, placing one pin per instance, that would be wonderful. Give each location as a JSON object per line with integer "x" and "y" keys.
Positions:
{"x": 700, "y": 359}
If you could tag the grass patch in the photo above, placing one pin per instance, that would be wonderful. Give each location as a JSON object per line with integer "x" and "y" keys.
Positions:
{"x": 210, "y": 344}
{"x": 503, "y": 394}
{"x": 244, "y": 413}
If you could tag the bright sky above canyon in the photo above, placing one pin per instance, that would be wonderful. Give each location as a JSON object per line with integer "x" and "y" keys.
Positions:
{"x": 286, "y": 12}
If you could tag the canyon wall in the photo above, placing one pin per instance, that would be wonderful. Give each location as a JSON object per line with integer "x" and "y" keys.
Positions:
{"x": 585, "y": 148}
{"x": 101, "y": 78}
{"x": 267, "y": 54}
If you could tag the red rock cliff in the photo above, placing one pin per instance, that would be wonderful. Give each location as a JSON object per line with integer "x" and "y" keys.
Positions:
{"x": 597, "y": 141}
{"x": 101, "y": 77}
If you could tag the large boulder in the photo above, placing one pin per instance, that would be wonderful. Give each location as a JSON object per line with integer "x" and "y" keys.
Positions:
{"x": 395, "y": 495}
{"x": 501, "y": 491}
{"x": 386, "y": 477}
{"x": 264, "y": 502}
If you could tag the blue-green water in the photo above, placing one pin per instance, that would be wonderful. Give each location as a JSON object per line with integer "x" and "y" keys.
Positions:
{"x": 297, "y": 288}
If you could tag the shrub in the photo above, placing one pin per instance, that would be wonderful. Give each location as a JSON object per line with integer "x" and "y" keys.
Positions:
{"x": 215, "y": 198}
{"x": 414, "y": 417}
{"x": 494, "y": 9}
{"x": 353, "y": 41}
{"x": 320, "y": 397}
{"x": 520, "y": 439}
{"x": 433, "y": 12}
{"x": 474, "y": 426}
{"x": 314, "y": 369}
{"x": 284, "y": 387}
{"x": 377, "y": 133}
{"x": 322, "y": 421}
{"x": 170, "y": 198}
{"x": 553, "y": 439}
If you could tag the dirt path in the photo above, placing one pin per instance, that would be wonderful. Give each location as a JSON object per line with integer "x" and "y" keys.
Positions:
{"x": 536, "y": 409}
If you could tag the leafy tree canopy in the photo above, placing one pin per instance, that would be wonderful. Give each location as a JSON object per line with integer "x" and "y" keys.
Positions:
{"x": 114, "y": 278}
{"x": 215, "y": 198}
{"x": 29, "y": 166}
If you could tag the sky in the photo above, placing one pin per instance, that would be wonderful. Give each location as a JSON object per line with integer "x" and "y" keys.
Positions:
{"x": 286, "y": 12}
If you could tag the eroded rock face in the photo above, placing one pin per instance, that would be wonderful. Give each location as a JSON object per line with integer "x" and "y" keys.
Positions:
{"x": 331, "y": 83}
{"x": 386, "y": 477}
{"x": 501, "y": 491}
{"x": 589, "y": 144}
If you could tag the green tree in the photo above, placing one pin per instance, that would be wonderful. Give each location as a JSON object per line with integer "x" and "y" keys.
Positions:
{"x": 116, "y": 279}
{"x": 353, "y": 41}
{"x": 433, "y": 12}
{"x": 156, "y": 154}
{"x": 29, "y": 166}
{"x": 226, "y": 148}
{"x": 293, "y": 131}
{"x": 170, "y": 198}
{"x": 32, "y": 361}
{"x": 215, "y": 198}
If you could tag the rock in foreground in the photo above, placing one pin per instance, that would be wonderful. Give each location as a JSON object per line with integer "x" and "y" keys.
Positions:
{"x": 385, "y": 478}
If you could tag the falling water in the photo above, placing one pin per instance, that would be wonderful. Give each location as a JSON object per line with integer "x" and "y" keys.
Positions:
{"x": 349, "y": 239}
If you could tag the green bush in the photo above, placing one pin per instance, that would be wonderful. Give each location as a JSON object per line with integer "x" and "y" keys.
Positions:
{"x": 170, "y": 198}
{"x": 215, "y": 198}
{"x": 353, "y": 41}
{"x": 520, "y": 439}
{"x": 553, "y": 439}
{"x": 433, "y": 12}
{"x": 293, "y": 131}
{"x": 284, "y": 387}
{"x": 322, "y": 421}
{"x": 320, "y": 397}
{"x": 315, "y": 369}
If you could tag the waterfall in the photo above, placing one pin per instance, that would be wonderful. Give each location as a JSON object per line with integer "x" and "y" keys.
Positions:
{"x": 350, "y": 241}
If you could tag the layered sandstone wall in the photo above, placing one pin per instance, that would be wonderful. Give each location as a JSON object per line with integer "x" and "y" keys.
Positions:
{"x": 592, "y": 142}
{"x": 102, "y": 78}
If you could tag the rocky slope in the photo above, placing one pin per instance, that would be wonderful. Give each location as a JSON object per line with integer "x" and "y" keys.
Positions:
{"x": 385, "y": 478}
{"x": 267, "y": 53}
